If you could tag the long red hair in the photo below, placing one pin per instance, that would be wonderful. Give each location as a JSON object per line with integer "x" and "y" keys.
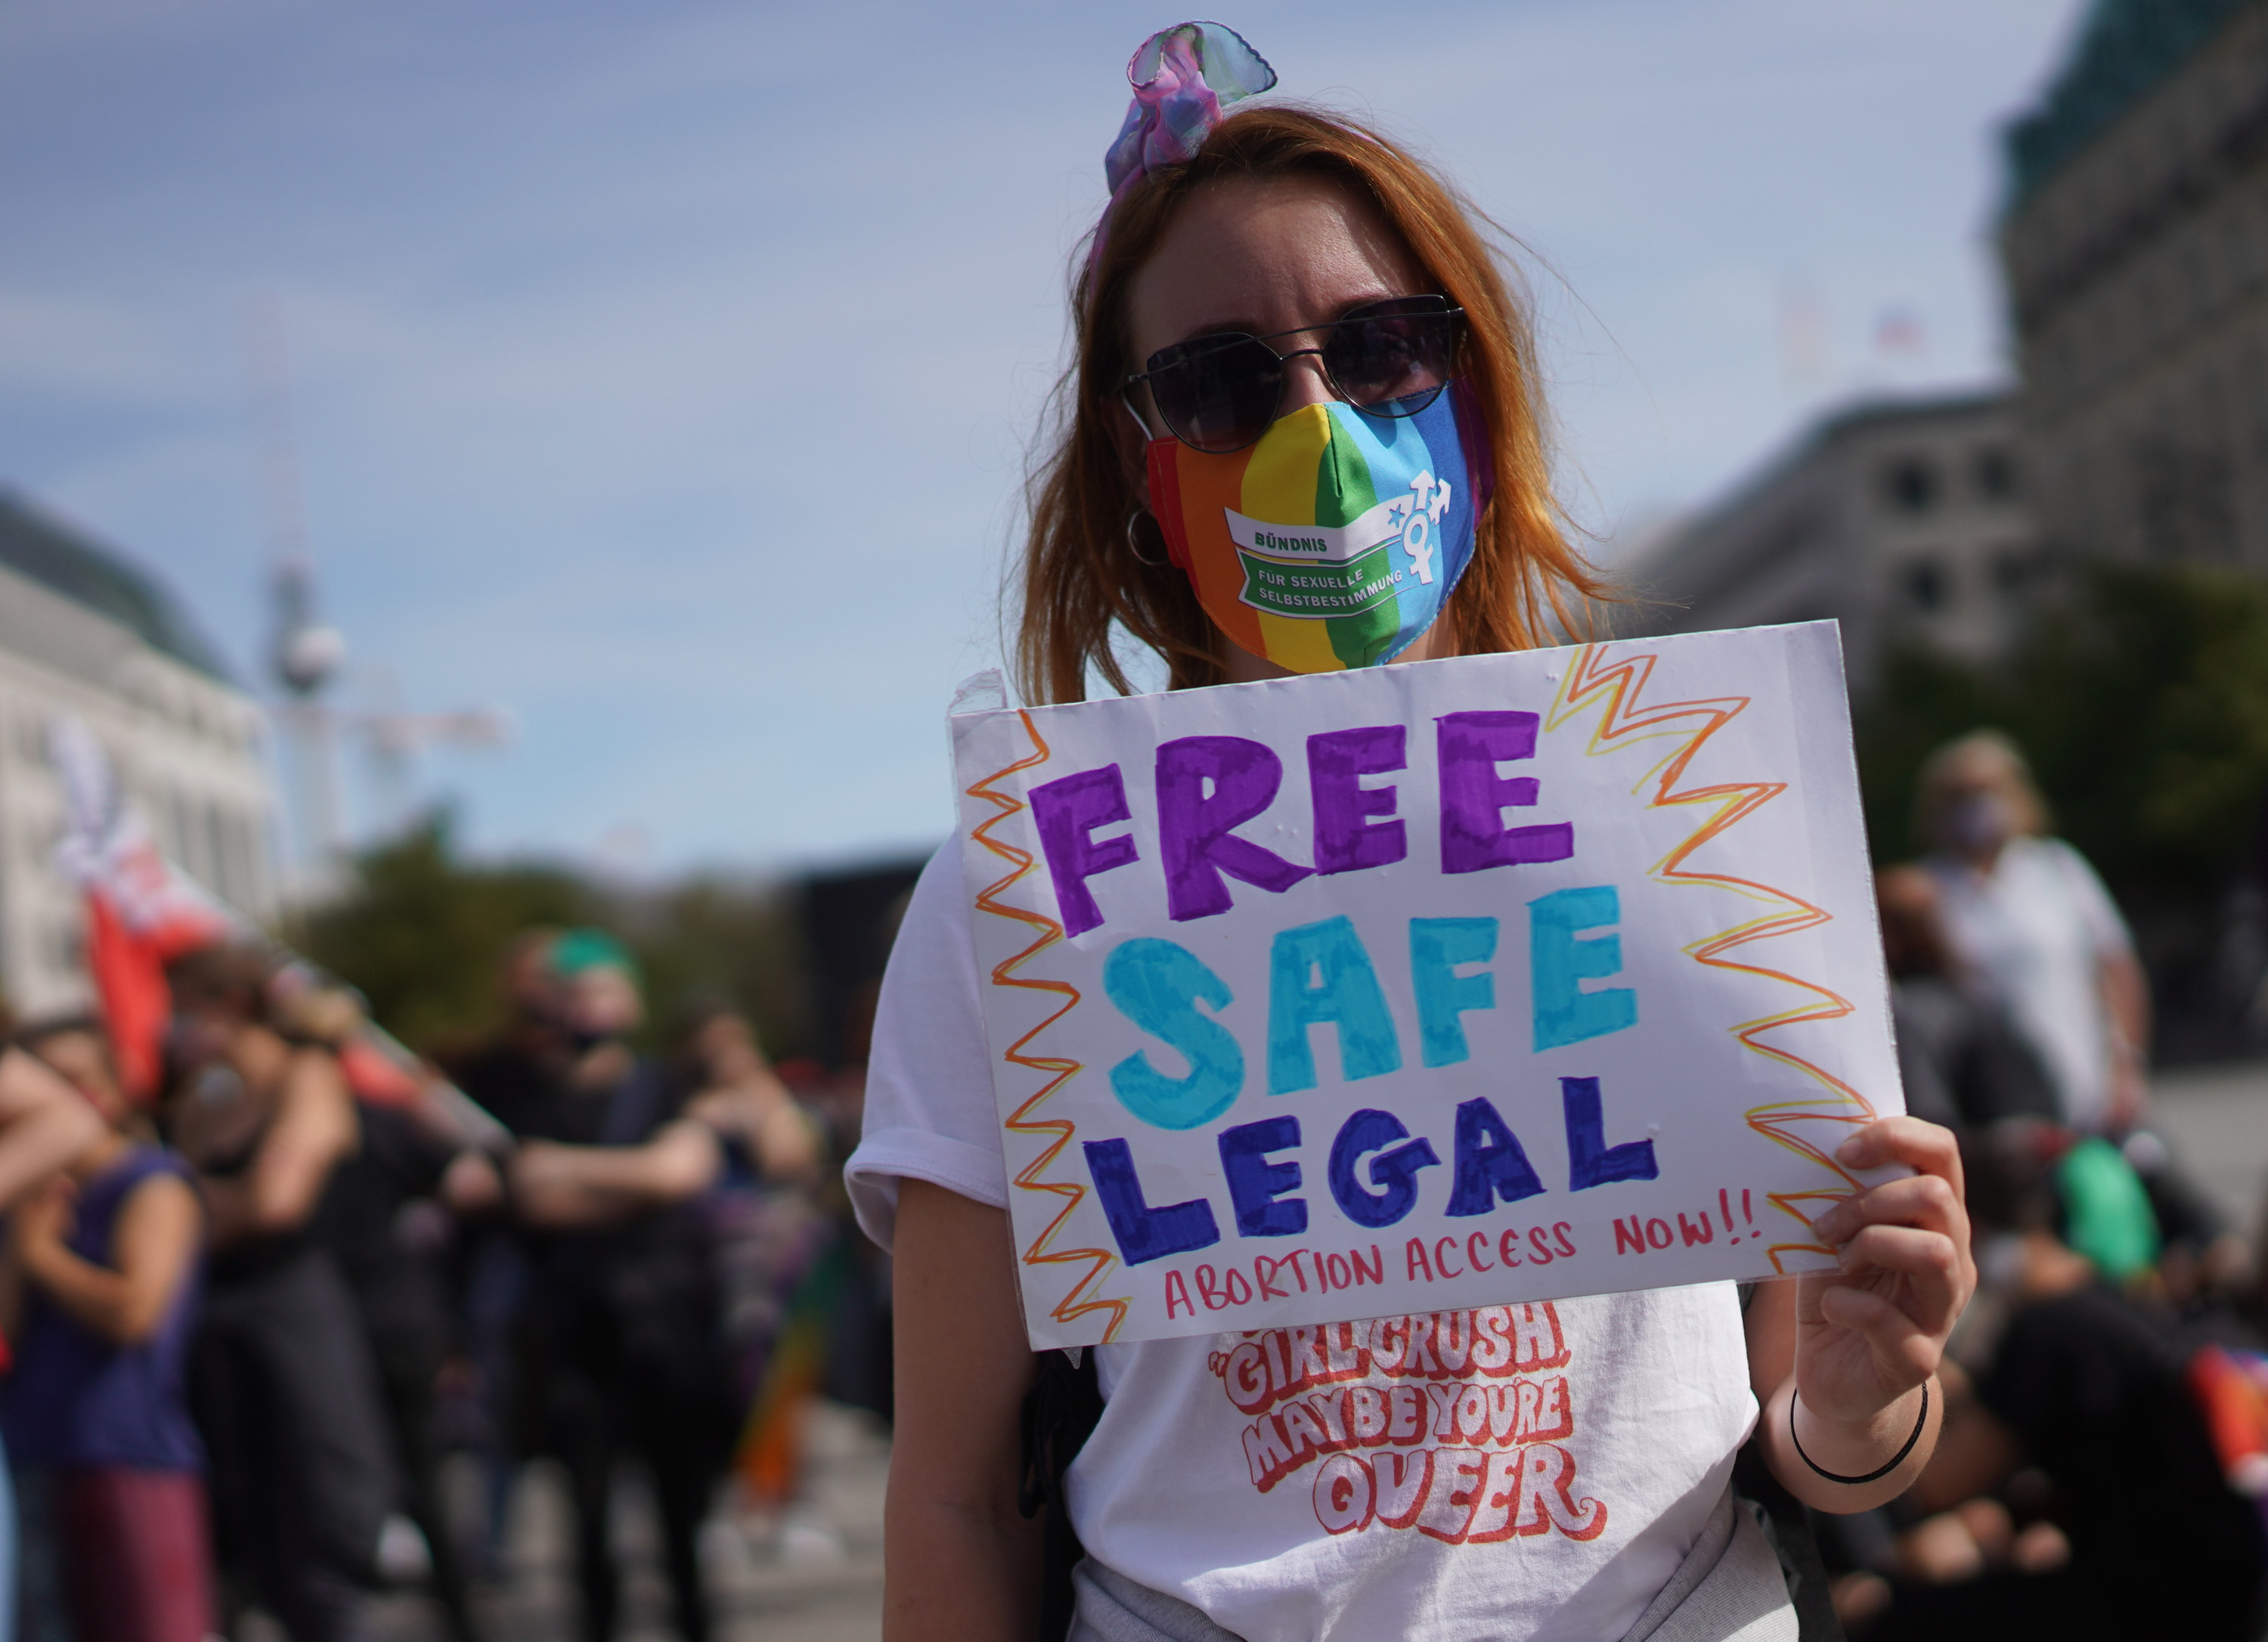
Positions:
{"x": 1081, "y": 574}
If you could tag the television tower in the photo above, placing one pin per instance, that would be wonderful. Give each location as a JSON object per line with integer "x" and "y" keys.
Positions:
{"x": 306, "y": 653}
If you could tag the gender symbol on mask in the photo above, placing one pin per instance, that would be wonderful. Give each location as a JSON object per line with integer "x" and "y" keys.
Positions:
{"x": 1419, "y": 512}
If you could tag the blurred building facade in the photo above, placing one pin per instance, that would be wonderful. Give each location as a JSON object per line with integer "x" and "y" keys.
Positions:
{"x": 2135, "y": 246}
{"x": 1902, "y": 518}
{"x": 84, "y": 632}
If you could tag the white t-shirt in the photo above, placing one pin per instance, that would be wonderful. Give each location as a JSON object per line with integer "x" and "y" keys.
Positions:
{"x": 2035, "y": 930}
{"x": 1512, "y": 1472}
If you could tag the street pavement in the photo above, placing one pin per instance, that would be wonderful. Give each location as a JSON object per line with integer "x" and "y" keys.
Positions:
{"x": 2216, "y": 1119}
{"x": 814, "y": 1575}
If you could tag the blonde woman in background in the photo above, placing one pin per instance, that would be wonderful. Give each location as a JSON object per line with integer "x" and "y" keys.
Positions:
{"x": 2031, "y": 924}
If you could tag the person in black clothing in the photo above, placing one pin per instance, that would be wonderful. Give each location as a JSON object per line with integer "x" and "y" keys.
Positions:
{"x": 766, "y": 1225}
{"x": 2086, "y": 1386}
{"x": 1962, "y": 1063}
{"x": 512, "y": 1069}
{"x": 388, "y": 1220}
{"x": 619, "y": 1341}
{"x": 281, "y": 1378}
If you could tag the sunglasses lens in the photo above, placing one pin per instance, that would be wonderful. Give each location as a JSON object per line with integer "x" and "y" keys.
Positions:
{"x": 1217, "y": 393}
{"x": 1396, "y": 358}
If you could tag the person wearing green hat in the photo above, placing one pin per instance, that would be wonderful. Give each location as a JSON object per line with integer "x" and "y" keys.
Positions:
{"x": 621, "y": 1347}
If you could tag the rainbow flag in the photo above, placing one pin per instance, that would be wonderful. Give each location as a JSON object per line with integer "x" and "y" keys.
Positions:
{"x": 1335, "y": 540}
{"x": 769, "y": 1456}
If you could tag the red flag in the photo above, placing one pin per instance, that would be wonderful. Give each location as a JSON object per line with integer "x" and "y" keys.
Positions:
{"x": 141, "y": 911}
{"x": 129, "y": 978}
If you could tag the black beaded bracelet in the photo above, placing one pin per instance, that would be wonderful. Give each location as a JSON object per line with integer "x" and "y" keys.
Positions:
{"x": 1879, "y": 1472}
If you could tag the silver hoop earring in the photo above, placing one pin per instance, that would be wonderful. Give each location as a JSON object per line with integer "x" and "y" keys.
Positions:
{"x": 1133, "y": 549}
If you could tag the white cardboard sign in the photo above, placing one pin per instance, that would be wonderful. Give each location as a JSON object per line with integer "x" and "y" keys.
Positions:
{"x": 1423, "y": 987}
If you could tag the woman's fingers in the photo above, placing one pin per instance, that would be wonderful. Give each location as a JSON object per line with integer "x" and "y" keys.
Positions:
{"x": 1904, "y": 1247}
{"x": 1923, "y": 1200}
{"x": 1924, "y": 1147}
{"x": 1927, "y": 1263}
{"x": 1930, "y": 1198}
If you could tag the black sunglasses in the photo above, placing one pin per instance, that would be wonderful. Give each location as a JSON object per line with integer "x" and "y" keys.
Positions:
{"x": 1220, "y": 392}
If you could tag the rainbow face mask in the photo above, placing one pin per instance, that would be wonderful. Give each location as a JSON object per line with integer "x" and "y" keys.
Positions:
{"x": 1335, "y": 540}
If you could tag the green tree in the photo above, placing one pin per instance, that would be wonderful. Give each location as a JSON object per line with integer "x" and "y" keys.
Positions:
{"x": 1920, "y": 699}
{"x": 2143, "y": 706}
{"x": 709, "y": 939}
{"x": 2146, "y": 708}
{"x": 422, "y": 933}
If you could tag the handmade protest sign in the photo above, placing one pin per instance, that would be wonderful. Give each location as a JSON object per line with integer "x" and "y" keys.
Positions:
{"x": 1424, "y": 986}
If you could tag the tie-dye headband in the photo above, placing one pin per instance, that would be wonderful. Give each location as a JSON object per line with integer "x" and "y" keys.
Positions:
{"x": 1182, "y": 77}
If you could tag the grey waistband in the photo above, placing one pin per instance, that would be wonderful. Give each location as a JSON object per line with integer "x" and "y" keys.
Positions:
{"x": 1729, "y": 1588}
{"x": 1113, "y": 1609}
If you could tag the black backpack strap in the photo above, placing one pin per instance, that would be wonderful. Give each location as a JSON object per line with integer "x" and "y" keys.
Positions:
{"x": 1060, "y": 1412}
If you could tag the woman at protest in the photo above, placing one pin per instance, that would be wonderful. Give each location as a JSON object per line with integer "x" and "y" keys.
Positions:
{"x": 97, "y": 1294}
{"x": 1274, "y": 285}
{"x": 281, "y": 1382}
{"x": 2030, "y": 921}
{"x": 43, "y": 1125}
{"x": 621, "y": 1347}
{"x": 2036, "y": 938}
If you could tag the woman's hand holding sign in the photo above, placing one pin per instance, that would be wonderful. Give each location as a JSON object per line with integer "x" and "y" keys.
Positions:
{"x": 1874, "y": 1329}
{"x": 1854, "y": 1416}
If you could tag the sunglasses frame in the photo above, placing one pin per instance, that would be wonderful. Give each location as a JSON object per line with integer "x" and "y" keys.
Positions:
{"x": 1448, "y": 311}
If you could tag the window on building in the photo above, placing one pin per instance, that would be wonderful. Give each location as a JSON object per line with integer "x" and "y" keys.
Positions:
{"x": 1995, "y": 473}
{"x": 2154, "y": 463}
{"x": 1910, "y": 484}
{"x": 1927, "y": 584}
{"x": 2012, "y": 571}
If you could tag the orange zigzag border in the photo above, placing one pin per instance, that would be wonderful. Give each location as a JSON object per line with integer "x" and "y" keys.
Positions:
{"x": 1627, "y": 716}
{"x": 1099, "y": 1261}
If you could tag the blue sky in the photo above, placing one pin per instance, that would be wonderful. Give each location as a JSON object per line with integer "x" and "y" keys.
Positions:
{"x": 665, "y": 372}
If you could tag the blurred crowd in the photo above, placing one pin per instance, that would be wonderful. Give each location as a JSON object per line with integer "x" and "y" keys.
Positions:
{"x": 2104, "y": 1461}
{"x": 256, "y": 1315}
